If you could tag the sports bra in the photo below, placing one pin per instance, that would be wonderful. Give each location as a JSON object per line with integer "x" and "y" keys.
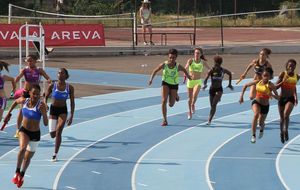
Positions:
{"x": 259, "y": 69}
{"x": 290, "y": 82}
{"x": 170, "y": 76}
{"x": 60, "y": 95}
{"x": 31, "y": 113}
{"x": 32, "y": 75}
{"x": 262, "y": 90}
{"x": 196, "y": 67}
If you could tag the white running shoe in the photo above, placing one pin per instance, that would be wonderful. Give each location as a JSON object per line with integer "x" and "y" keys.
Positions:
{"x": 253, "y": 139}
{"x": 54, "y": 158}
{"x": 189, "y": 116}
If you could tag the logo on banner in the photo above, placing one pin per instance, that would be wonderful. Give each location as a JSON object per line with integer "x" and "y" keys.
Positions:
{"x": 76, "y": 35}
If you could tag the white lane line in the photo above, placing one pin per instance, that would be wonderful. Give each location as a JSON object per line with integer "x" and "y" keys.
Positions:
{"x": 95, "y": 172}
{"x": 218, "y": 148}
{"x": 69, "y": 187}
{"x": 55, "y": 184}
{"x": 70, "y": 127}
{"x": 114, "y": 158}
{"x": 162, "y": 170}
{"x": 278, "y": 161}
{"x": 133, "y": 176}
{"x": 142, "y": 184}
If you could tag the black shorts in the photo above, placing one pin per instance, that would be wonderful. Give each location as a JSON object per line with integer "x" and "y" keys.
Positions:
{"x": 171, "y": 86}
{"x": 56, "y": 111}
{"x": 284, "y": 100}
{"x": 213, "y": 91}
{"x": 33, "y": 135}
{"x": 263, "y": 109}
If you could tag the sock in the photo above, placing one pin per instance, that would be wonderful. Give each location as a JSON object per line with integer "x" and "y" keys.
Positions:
{"x": 18, "y": 170}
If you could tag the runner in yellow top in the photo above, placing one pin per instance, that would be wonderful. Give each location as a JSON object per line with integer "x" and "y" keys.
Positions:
{"x": 260, "y": 104}
{"x": 195, "y": 66}
{"x": 287, "y": 81}
{"x": 170, "y": 81}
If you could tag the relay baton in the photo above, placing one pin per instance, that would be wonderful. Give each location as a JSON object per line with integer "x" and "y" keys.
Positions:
{"x": 239, "y": 81}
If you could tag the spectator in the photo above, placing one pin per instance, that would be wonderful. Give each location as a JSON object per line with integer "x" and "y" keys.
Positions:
{"x": 145, "y": 14}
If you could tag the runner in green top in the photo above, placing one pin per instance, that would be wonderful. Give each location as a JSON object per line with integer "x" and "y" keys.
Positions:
{"x": 195, "y": 66}
{"x": 170, "y": 81}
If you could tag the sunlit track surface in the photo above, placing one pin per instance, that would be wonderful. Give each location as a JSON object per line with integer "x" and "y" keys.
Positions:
{"x": 116, "y": 142}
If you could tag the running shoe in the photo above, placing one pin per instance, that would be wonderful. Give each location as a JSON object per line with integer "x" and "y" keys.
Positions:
{"x": 54, "y": 158}
{"x": 261, "y": 134}
{"x": 164, "y": 123}
{"x": 253, "y": 139}
{"x": 15, "y": 179}
{"x": 20, "y": 182}
{"x": 189, "y": 116}
{"x": 282, "y": 137}
{"x": 208, "y": 123}
{"x": 145, "y": 43}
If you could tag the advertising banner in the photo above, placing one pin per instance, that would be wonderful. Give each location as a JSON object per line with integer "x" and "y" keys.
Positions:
{"x": 56, "y": 34}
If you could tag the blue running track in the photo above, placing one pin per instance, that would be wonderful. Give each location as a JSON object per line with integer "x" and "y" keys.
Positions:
{"x": 116, "y": 143}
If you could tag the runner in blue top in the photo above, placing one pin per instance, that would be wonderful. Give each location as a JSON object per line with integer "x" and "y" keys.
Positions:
{"x": 60, "y": 91}
{"x": 32, "y": 75}
{"x": 29, "y": 134}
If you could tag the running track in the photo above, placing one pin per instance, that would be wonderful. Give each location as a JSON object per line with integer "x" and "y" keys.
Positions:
{"x": 116, "y": 142}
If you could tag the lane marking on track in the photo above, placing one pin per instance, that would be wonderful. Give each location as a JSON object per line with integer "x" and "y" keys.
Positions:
{"x": 55, "y": 184}
{"x": 141, "y": 184}
{"x": 223, "y": 144}
{"x": 133, "y": 176}
{"x": 278, "y": 161}
{"x": 95, "y": 172}
{"x": 162, "y": 170}
{"x": 69, "y": 187}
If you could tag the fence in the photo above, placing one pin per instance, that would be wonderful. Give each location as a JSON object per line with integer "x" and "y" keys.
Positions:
{"x": 124, "y": 30}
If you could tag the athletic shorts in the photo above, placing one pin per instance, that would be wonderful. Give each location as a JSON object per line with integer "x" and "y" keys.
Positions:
{"x": 284, "y": 100}
{"x": 213, "y": 91}
{"x": 171, "y": 86}
{"x": 3, "y": 102}
{"x": 56, "y": 111}
{"x": 263, "y": 109}
{"x": 33, "y": 135}
{"x": 193, "y": 83}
